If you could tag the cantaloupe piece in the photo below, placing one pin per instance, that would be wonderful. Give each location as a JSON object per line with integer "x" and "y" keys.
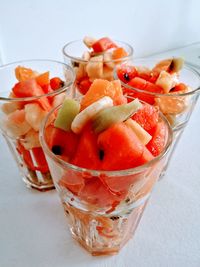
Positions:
{"x": 101, "y": 88}
{"x": 23, "y": 74}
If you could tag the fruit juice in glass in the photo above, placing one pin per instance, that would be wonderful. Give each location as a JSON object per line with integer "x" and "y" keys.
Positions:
{"x": 103, "y": 207}
{"x": 93, "y": 59}
{"x": 175, "y": 94}
{"x": 23, "y": 105}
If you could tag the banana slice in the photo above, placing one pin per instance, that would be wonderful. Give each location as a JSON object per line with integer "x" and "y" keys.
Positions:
{"x": 89, "y": 41}
{"x": 143, "y": 135}
{"x": 88, "y": 113}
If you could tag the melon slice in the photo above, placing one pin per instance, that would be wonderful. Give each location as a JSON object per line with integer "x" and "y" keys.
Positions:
{"x": 101, "y": 88}
{"x": 66, "y": 114}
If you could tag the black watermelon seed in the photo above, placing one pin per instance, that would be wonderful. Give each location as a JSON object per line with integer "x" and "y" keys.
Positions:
{"x": 126, "y": 77}
{"x": 101, "y": 154}
{"x": 114, "y": 218}
{"x": 57, "y": 150}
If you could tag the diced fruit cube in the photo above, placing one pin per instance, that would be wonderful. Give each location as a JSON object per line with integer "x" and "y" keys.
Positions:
{"x": 66, "y": 114}
{"x": 43, "y": 79}
{"x": 143, "y": 135}
{"x": 126, "y": 73}
{"x": 166, "y": 81}
{"x": 23, "y": 74}
{"x": 56, "y": 83}
{"x": 30, "y": 88}
{"x": 94, "y": 67}
{"x": 61, "y": 143}
{"x": 157, "y": 143}
{"x": 103, "y": 44}
{"x": 147, "y": 117}
{"x": 34, "y": 115}
{"x": 119, "y": 53}
{"x": 173, "y": 104}
{"x": 89, "y": 41}
{"x": 15, "y": 124}
{"x": 87, "y": 153}
{"x": 129, "y": 154}
{"x": 101, "y": 88}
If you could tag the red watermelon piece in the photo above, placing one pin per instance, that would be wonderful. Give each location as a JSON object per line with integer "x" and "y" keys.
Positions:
{"x": 144, "y": 85}
{"x": 62, "y": 143}
{"x": 157, "y": 143}
{"x": 30, "y": 88}
{"x": 147, "y": 117}
{"x": 122, "y": 148}
{"x": 87, "y": 153}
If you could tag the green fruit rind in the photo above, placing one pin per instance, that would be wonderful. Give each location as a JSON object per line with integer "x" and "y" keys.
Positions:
{"x": 111, "y": 115}
{"x": 66, "y": 114}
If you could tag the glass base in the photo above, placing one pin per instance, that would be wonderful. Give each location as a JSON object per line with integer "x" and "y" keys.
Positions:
{"x": 35, "y": 177}
{"x": 40, "y": 186}
{"x": 103, "y": 234}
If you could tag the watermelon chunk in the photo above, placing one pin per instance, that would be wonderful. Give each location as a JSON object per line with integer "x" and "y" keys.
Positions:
{"x": 103, "y": 44}
{"x": 62, "y": 143}
{"x": 121, "y": 141}
{"x": 87, "y": 153}
{"x": 147, "y": 117}
{"x": 144, "y": 85}
{"x": 30, "y": 88}
{"x": 157, "y": 143}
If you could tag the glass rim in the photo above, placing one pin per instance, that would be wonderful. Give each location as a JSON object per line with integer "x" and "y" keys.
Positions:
{"x": 130, "y": 54}
{"x": 185, "y": 66}
{"x": 56, "y": 92}
{"x": 102, "y": 172}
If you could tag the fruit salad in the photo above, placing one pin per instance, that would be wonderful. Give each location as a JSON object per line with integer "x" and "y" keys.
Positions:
{"x": 163, "y": 85}
{"x": 21, "y": 117}
{"x": 105, "y": 154}
{"x": 99, "y": 58}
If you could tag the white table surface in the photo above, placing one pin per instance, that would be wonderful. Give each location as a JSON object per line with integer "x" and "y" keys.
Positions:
{"x": 34, "y": 233}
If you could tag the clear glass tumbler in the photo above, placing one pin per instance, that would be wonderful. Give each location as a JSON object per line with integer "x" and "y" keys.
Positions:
{"x": 176, "y": 106}
{"x": 20, "y": 117}
{"x": 103, "y": 207}
{"x": 89, "y": 68}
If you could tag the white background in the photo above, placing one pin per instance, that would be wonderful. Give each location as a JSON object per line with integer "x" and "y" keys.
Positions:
{"x": 39, "y": 28}
{"x": 33, "y": 229}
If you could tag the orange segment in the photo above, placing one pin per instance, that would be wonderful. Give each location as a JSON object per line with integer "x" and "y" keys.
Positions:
{"x": 101, "y": 88}
{"x": 23, "y": 74}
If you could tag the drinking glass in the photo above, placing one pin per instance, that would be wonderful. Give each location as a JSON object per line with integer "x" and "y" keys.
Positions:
{"x": 20, "y": 118}
{"x": 177, "y": 107}
{"x": 75, "y": 55}
{"x": 103, "y": 207}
